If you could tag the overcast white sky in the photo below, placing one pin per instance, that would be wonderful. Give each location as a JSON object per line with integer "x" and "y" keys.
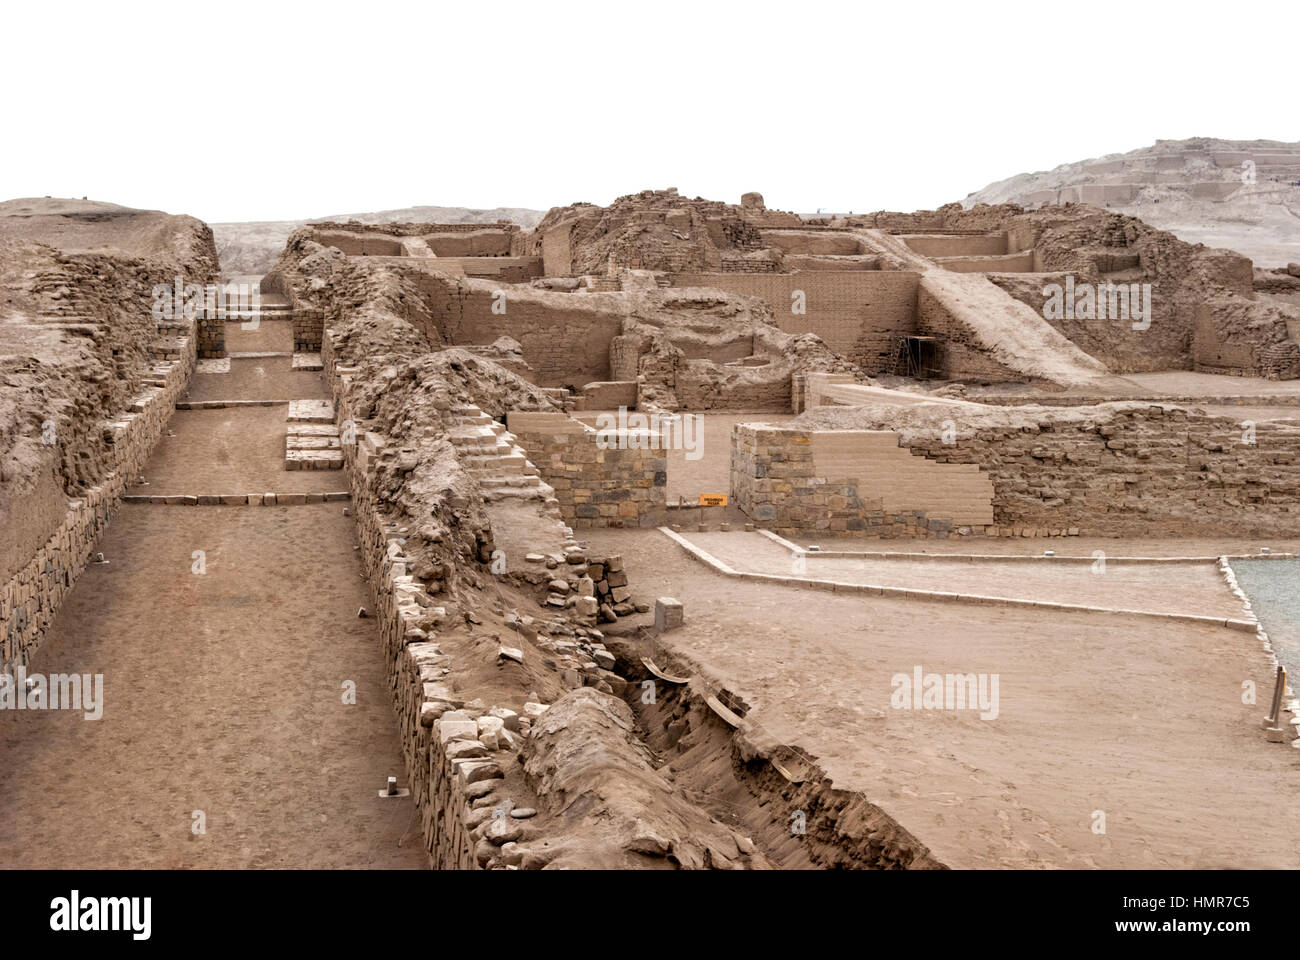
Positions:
{"x": 264, "y": 111}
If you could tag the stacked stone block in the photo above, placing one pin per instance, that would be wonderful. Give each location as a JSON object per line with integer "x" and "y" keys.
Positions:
{"x": 777, "y": 482}
{"x": 617, "y": 478}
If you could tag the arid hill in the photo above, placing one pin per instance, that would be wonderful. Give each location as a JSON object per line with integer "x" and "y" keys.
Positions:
{"x": 1239, "y": 194}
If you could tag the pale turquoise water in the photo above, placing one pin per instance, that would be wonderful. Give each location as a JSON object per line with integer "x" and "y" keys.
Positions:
{"x": 1274, "y": 590}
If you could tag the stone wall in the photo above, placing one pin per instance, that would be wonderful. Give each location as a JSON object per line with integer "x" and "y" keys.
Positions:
{"x": 414, "y": 663}
{"x": 32, "y": 596}
{"x": 1127, "y": 469}
{"x": 1122, "y": 469}
{"x": 610, "y": 479}
{"x": 852, "y": 483}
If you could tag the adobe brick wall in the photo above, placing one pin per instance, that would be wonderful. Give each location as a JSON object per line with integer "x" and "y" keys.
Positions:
{"x": 1022, "y": 262}
{"x": 565, "y": 337}
{"x": 32, "y": 596}
{"x": 852, "y": 483}
{"x": 859, "y": 314}
{"x": 1164, "y": 345}
{"x": 557, "y": 256}
{"x": 993, "y": 244}
{"x": 595, "y": 486}
{"x": 608, "y": 395}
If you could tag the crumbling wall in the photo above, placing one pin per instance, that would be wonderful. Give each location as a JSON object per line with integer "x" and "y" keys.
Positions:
{"x": 1205, "y": 314}
{"x": 87, "y": 380}
{"x": 1116, "y": 469}
{"x": 1165, "y": 344}
{"x": 859, "y": 315}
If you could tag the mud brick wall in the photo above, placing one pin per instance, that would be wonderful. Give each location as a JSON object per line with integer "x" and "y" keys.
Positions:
{"x": 699, "y": 386}
{"x": 776, "y": 482}
{"x": 32, "y": 596}
{"x": 595, "y": 487}
{"x": 860, "y": 314}
{"x": 1009, "y": 263}
{"x": 624, "y": 357}
{"x": 989, "y": 245}
{"x": 414, "y": 663}
{"x": 745, "y": 265}
{"x": 1125, "y": 469}
{"x": 565, "y": 338}
{"x": 608, "y": 395}
{"x": 1211, "y": 355}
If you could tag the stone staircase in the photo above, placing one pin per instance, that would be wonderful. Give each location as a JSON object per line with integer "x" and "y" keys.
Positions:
{"x": 311, "y": 439}
{"x": 489, "y": 453}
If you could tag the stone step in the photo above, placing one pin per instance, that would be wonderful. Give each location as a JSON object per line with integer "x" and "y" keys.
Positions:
{"x": 312, "y": 429}
{"x": 487, "y": 466}
{"x": 311, "y": 411}
{"x": 528, "y": 480}
{"x": 313, "y": 460}
{"x": 292, "y": 442}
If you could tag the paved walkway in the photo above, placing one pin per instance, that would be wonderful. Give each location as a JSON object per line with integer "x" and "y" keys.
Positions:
{"x": 1196, "y": 589}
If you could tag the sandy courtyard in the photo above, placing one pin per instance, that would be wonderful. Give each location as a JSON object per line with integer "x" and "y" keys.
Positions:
{"x": 1138, "y": 719}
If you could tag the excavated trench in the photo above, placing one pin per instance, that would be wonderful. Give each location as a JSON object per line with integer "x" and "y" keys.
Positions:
{"x": 773, "y": 793}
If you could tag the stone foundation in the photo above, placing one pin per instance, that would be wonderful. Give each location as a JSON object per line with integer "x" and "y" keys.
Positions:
{"x": 608, "y": 479}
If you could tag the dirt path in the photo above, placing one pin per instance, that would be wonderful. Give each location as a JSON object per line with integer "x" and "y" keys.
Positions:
{"x": 225, "y": 686}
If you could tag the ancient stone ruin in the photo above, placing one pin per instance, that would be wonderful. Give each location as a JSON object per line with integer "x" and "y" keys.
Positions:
{"x": 637, "y": 539}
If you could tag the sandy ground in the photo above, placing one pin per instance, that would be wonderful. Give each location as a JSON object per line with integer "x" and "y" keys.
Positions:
{"x": 1197, "y": 589}
{"x": 1139, "y": 719}
{"x": 229, "y": 450}
{"x": 260, "y": 378}
{"x": 269, "y": 336}
{"x": 223, "y": 693}
{"x": 1188, "y": 383}
{"x": 223, "y": 689}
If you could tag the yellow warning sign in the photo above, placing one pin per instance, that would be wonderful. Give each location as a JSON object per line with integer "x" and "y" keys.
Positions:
{"x": 713, "y": 499}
